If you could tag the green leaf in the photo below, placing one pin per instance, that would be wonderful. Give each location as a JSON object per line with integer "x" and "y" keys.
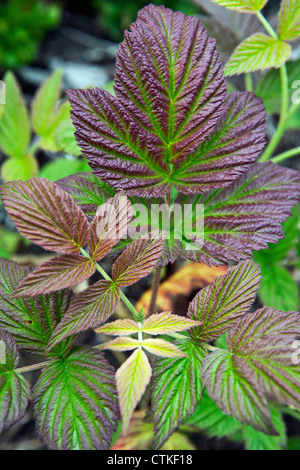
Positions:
{"x": 19, "y": 169}
{"x": 65, "y": 139}
{"x": 166, "y": 323}
{"x": 289, "y": 20}
{"x": 246, "y": 6}
{"x": 14, "y": 389}
{"x": 259, "y": 52}
{"x": 122, "y": 344}
{"x": 132, "y": 379}
{"x": 74, "y": 402}
{"x": 119, "y": 328}
{"x": 45, "y": 115}
{"x": 162, "y": 348}
{"x": 219, "y": 305}
{"x": 31, "y": 321}
{"x": 61, "y": 168}
{"x": 278, "y": 288}
{"x": 269, "y": 86}
{"x": 14, "y": 124}
{"x": 176, "y": 390}
{"x": 256, "y": 440}
{"x": 208, "y": 418}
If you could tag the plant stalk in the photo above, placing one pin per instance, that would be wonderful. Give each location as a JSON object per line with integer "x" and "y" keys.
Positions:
{"x": 271, "y": 147}
{"x": 126, "y": 301}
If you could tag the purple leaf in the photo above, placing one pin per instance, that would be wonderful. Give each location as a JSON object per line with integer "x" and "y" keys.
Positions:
{"x": 224, "y": 301}
{"x": 258, "y": 367}
{"x": 109, "y": 226}
{"x": 236, "y": 143}
{"x": 170, "y": 95}
{"x": 232, "y": 384}
{"x": 138, "y": 260}
{"x": 169, "y": 76}
{"x": 246, "y": 215}
{"x": 46, "y": 215}
{"x": 119, "y": 151}
{"x": 57, "y": 273}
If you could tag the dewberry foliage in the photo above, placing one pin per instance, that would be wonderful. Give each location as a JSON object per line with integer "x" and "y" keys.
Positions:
{"x": 170, "y": 133}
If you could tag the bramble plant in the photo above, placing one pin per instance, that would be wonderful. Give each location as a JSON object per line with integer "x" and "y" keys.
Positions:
{"x": 170, "y": 135}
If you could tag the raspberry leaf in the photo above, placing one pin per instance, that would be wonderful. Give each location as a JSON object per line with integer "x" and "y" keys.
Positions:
{"x": 30, "y": 320}
{"x": 220, "y": 305}
{"x": 74, "y": 402}
{"x": 46, "y": 215}
{"x": 57, "y": 273}
{"x": 14, "y": 389}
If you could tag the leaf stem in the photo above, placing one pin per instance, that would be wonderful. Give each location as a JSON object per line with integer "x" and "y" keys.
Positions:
{"x": 210, "y": 348}
{"x": 248, "y": 82}
{"x": 126, "y": 301}
{"x": 266, "y": 24}
{"x": 39, "y": 365}
{"x": 284, "y": 114}
{"x": 285, "y": 155}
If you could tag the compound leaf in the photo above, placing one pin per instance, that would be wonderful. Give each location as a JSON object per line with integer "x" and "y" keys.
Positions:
{"x": 14, "y": 389}
{"x": 74, "y": 402}
{"x": 259, "y": 52}
{"x": 57, "y": 273}
{"x": 132, "y": 379}
{"x": 176, "y": 389}
{"x": 219, "y": 305}
{"x": 46, "y": 215}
